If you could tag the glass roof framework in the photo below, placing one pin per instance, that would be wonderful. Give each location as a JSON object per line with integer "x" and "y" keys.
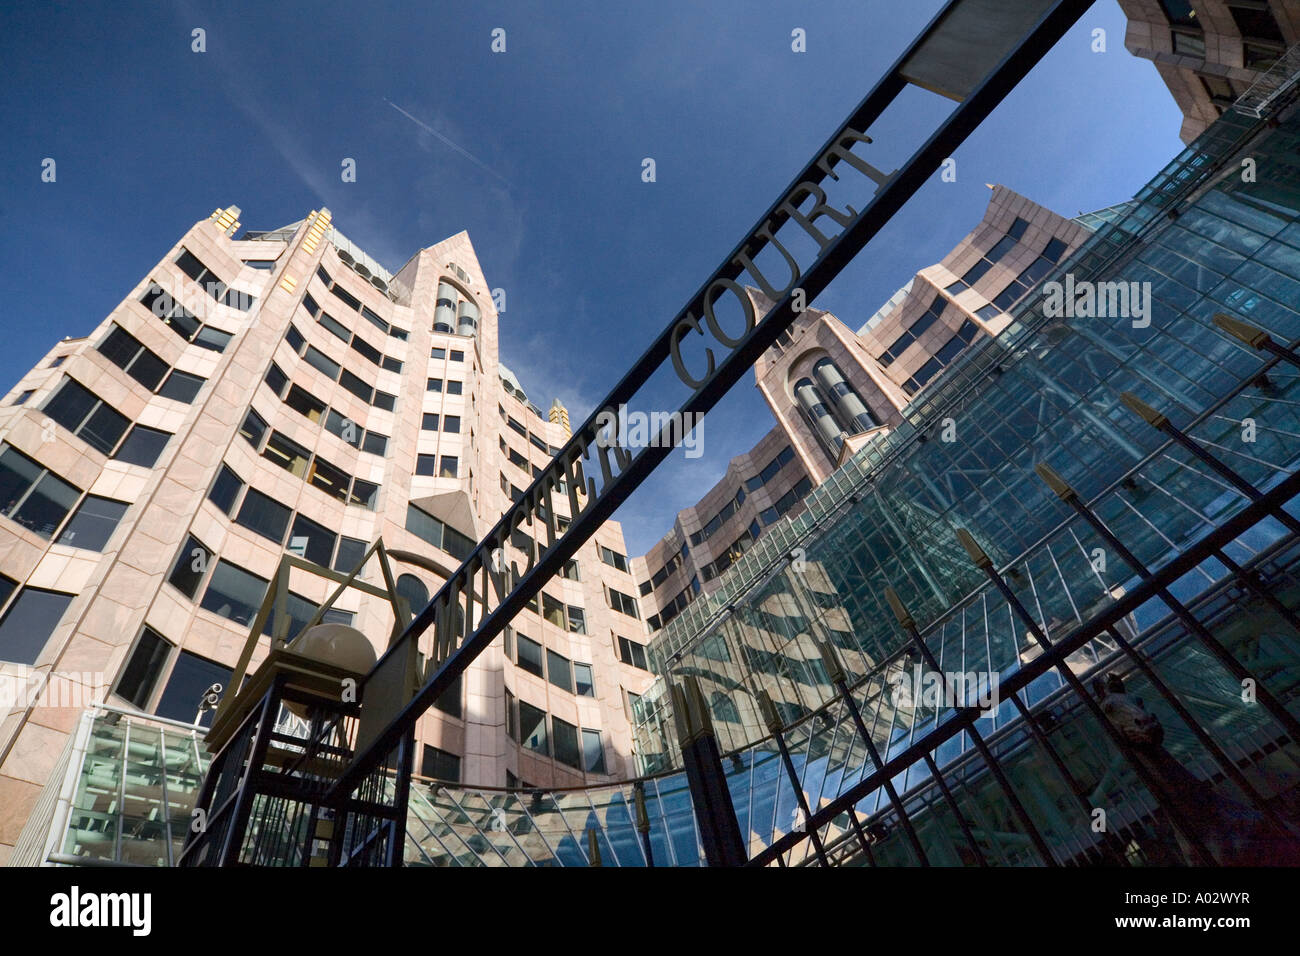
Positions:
{"x": 1055, "y": 400}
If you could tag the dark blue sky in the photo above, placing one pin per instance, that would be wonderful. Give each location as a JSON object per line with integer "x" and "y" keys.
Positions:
{"x": 150, "y": 137}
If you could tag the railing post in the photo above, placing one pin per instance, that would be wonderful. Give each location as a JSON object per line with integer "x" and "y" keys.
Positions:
{"x": 719, "y": 831}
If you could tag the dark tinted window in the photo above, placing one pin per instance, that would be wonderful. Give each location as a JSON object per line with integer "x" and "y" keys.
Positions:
{"x": 94, "y": 523}
{"x": 29, "y": 622}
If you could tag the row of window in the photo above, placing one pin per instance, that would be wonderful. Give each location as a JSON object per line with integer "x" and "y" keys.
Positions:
{"x": 674, "y": 607}
{"x": 914, "y": 331}
{"x": 986, "y": 262}
{"x": 101, "y": 426}
{"x": 438, "y": 533}
{"x": 449, "y": 386}
{"x": 353, "y": 303}
{"x": 623, "y": 603}
{"x": 660, "y": 576}
{"x": 314, "y": 410}
{"x": 529, "y": 727}
{"x": 208, "y": 281}
{"x": 352, "y": 339}
{"x": 718, "y": 520}
{"x": 33, "y": 496}
{"x": 130, "y": 355}
{"x": 611, "y": 557}
{"x": 732, "y": 554}
{"x": 448, "y": 466}
{"x": 786, "y": 501}
{"x": 336, "y": 373}
{"x": 272, "y": 520}
{"x": 1027, "y": 279}
{"x": 231, "y": 592}
{"x": 439, "y": 352}
{"x": 312, "y": 469}
{"x": 573, "y": 677}
{"x": 519, "y": 428}
{"x": 771, "y": 469}
{"x": 940, "y": 360}
{"x": 182, "y": 321}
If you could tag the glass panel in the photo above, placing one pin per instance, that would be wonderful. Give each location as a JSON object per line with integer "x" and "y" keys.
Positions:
{"x": 265, "y": 515}
{"x": 94, "y": 523}
{"x": 234, "y": 594}
{"x": 29, "y": 622}
{"x": 143, "y": 668}
{"x": 189, "y": 681}
{"x": 143, "y": 446}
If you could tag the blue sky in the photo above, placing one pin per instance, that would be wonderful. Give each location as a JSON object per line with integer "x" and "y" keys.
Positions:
{"x": 149, "y": 137}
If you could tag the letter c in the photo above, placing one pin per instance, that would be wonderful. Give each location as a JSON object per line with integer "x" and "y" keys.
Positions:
{"x": 674, "y": 347}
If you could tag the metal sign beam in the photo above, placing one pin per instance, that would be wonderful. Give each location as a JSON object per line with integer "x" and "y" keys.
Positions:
{"x": 475, "y": 596}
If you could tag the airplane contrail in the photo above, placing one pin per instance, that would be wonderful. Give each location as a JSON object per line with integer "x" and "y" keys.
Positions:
{"x": 464, "y": 152}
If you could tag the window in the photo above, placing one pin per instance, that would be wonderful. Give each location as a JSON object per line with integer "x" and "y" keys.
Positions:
{"x": 366, "y": 350}
{"x": 93, "y": 523}
{"x": 191, "y": 564}
{"x": 451, "y": 423}
{"x": 512, "y": 725}
{"x": 234, "y": 593}
{"x": 413, "y": 589}
{"x": 289, "y": 455}
{"x": 334, "y": 482}
{"x": 384, "y": 400}
{"x": 453, "y": 387}
{"x": 558, "y": 671}
{"x": 532, "y": 729}
{"x": 334, "y": 326}
{"x": 57, "y": 361}
{"x": 31, "y": 495}
{"x": 143, "y": 668}
{"x": 346, "y": 297}
{"x": 364, "y": 493}
{"x": 357, "y": 386}
{"x": 593, "y": 752}
{"x": 373, "y": 319}
{"x": 577, "y": 620}
{"x": 449, "y": 701}
{"x": 426, "y": 465}
{"x": 553, "y": 611}
{"x": 375, "y": 443}
{"x": 22, "y": 399}
{"x": 190, "y": 679}
{"x": 391, "y": 364}
{"x": 530, "y": 655}
{"x": 630, "y": 652}
{"x": 623, "y": 603}
{"x": 433, "y": 385}
{"x": 430, "y": 422}
{"x": 181, "y": 386}
{"x": 276, "y": 379}
{"x": 584, "y": 680}
{"x": 294, "y": 338}
{"x": 430, "y": 529}
{"x": 225, "y": 489}
{"x": 127, "y": 352}
{"x": 448, "y": 467}
{"x": 253, "y": 429}
{"x": 323, "y": 276}
{"x": 351, "y": 551}
{"x": 914, "y": 331}
{"x": 84, "y": 414}
{"x": 566, "y": 742}
{"x": 612, "y": 558}
{"x": 304, "y": 403}
{"x": 143, "y": 446}
{"x": 321, "y": 362}
{"x": 438, "y": 353}
{"x": 29, "y": 622}
{"x": 440, "y": 765}
{"x": 344, "y": 428}
{"x": 265, "y": 515}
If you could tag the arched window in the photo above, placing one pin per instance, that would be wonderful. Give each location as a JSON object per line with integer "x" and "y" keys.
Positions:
{"x": 413, "y": 589}
{"x": 724, "y": 708}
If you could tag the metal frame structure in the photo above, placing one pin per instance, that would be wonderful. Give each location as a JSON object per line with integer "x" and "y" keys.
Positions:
{"x": 386, "y": 723}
